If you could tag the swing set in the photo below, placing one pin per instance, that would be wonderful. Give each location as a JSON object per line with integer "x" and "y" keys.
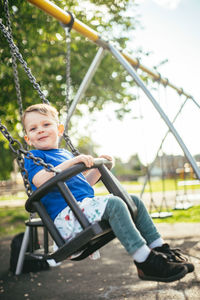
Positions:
{"x": 93, "y": 236}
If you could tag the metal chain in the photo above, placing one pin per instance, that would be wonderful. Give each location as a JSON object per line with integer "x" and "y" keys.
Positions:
{"x": 68, "y": 67}
{"x": 24, "y": 173}
{"x": 74, "y": 151}
{"x": 15, "y": 70}
{"x": 68, "y": 86}
{"x": 20, "y": 159}
{"x": 19, "y": 56}
{"x": 16, "y": 147}
{"x": 14, "y": 64}
{"x": 20, "y": 152}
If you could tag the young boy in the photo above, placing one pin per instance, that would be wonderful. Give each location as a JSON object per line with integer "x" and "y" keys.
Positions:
{"x": 154, "y": 259}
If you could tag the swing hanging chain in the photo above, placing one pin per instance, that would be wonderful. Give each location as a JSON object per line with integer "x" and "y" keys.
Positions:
{"x": 19, "y": 157}
{"x": 74, "y": 151}
{"x": 68, "y": 85}
{"x": 15, "y": 69}
{"x": 24, "y": 173}
{"x": 14, "y": 64}
{"x": 67, "y": 28}
{"x": 68, "y": 68}
{"x": 19, "y": 56}
{"x": 20, "y": 153}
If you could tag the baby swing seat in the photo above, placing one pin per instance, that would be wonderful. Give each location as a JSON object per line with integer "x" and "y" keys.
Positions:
{"x": 92, "y": 237}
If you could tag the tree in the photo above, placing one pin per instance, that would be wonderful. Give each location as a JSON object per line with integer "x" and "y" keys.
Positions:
{"x": 41, "y": 41}
{"x": 131, "y": 170}
{"x": 7, "y": 159}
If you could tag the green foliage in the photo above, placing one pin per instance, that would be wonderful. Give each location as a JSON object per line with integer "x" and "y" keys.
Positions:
{"x": 41, "y": 41}
{"x": 86, "y": 146}
{"x": 12, "y": 221}
{"x": 131, "y": 170}
{"x": 6, "y": 161}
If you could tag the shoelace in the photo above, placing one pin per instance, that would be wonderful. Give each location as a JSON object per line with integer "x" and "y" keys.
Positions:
{"x": 174, "y": 253}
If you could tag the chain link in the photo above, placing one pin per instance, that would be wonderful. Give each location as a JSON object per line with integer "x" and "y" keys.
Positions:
{"x": 68, "y": 86}
{"x": 14, "y": 144}
{"x": 74, "y": 151}
{"x": 68, "y": 67}
{"x": 14, "y": 64}
{"x": 20, "y": 159}
{"x": 20, "y": 153}
{"x": 19, "y": 56}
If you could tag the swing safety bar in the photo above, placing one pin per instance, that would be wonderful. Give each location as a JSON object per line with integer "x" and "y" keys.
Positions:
{"x": 93, "y": 236}
{"x": 65, "y": 17}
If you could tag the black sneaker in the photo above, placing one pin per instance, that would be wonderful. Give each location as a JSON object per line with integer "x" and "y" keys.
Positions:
{"x": 175, "y": 255}
{"x": 157, "y": 268}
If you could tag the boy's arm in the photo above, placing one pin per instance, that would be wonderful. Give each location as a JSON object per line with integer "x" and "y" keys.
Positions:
{"x": 43, "y": 175}
{"x": 93, "y": 175}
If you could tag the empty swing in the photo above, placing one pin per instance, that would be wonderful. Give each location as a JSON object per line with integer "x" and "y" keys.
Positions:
{"x": 93, "y": 235}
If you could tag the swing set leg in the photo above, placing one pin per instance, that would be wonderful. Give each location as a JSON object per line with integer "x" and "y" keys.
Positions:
{"x": 22, "y": 252}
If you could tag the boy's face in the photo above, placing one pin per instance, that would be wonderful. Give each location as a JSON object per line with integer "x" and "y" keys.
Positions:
{"x": 42, "y": 131}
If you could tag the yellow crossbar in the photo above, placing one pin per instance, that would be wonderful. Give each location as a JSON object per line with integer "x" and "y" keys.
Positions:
{"x": 92, "y": 35}
{"x": 65, "y": 18}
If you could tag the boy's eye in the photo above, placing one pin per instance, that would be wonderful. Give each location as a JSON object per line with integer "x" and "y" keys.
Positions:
{"x": 33, "y": 128}
{"x": 46, "y": 124}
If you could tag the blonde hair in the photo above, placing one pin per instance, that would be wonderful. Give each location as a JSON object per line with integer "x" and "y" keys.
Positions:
{"x": 43, "y": 109}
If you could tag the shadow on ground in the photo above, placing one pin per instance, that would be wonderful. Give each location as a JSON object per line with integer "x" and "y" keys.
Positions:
{"x": 113, "y": 276}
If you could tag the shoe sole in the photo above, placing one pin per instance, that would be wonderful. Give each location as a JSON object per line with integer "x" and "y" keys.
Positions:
{"x": 190, "y": 267}
{"x": 168, "y": 279}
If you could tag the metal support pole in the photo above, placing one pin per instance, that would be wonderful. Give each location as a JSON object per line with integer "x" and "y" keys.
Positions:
{"x": 64, "y": 17}
{"x": 164, "y": 138}
{"x": 22, "y": 252}
{"x": 140, "y": 83}
{"x": 195, "y": 102}
{"x": 84, "y": 85}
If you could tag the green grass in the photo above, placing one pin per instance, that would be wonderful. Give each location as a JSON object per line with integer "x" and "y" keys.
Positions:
{"x": 18, "y": 196}
{"x": 12, "y": 220}
{"x": 156, "y": 186}
{"x": 191, "y": 215}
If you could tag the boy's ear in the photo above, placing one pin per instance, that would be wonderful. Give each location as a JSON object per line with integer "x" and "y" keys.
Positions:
{"x": 27, "y": 140}
{"x": 60, "y": 129}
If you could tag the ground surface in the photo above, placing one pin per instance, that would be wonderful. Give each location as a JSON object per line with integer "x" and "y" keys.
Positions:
{"x": 113, "y": 276}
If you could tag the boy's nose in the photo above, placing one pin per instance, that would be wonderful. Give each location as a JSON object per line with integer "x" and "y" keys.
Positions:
{"x": 40, "y": 129}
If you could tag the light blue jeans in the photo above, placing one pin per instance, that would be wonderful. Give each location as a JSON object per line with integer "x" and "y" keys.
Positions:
{"x": 132, "y": 235}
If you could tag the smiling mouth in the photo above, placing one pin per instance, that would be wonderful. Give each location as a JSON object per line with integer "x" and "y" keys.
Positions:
{"x": 43, "y": 138}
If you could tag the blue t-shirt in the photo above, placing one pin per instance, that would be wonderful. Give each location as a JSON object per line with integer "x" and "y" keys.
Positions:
{"x": 78, "y": 185}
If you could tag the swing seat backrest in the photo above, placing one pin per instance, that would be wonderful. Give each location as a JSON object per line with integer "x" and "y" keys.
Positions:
{"x": 93, "y": 236}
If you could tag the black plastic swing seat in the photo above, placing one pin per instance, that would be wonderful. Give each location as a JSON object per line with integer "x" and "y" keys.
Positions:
{"x": 36, "y": 222}
{"x": 83, "y": 244}
{"x": 86, "y": 242}
{"x": 93, "y": 236}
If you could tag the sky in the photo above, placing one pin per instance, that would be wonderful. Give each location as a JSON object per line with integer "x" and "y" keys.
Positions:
{"x": 170, "y": 30}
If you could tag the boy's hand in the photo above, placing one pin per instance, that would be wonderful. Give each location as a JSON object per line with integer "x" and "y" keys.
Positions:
{"x": 108, "y": 157}
{"x": 88, "y": 160}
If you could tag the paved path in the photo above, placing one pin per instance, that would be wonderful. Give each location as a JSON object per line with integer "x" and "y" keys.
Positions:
{"x": 113, "y": 276}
